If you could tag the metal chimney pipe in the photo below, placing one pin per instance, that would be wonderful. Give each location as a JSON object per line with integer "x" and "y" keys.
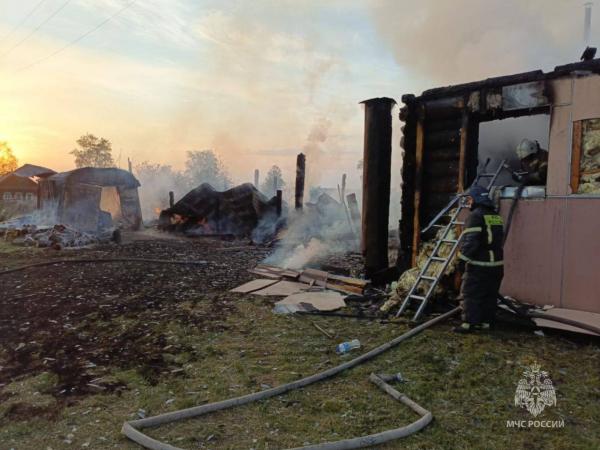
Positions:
{"x": 587, "y": 23}
{"x": 377, "y": 163}
{"x": 256, "y": 175}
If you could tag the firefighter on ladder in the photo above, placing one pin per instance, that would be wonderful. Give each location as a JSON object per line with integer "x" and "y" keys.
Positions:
{"x": 534, "y": 164}
{"x": 480, "y": 252}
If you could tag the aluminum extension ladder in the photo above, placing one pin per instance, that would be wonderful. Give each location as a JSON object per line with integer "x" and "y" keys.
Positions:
{"x": 443, "y": 240}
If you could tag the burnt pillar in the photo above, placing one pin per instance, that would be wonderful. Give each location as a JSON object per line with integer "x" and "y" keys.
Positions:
{"x": 279, "y": 201}
{"x": 256, "y": 176}
{"x": 300, "y": 169}
{"x": 377, "y": 162}
{"x": 353, "y": 207}
{"x": 171, "y": 199}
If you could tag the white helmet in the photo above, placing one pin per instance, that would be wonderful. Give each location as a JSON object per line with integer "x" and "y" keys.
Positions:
{"x": 527, "y": 147}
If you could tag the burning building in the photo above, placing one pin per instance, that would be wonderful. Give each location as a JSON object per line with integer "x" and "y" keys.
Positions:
{"x": 205, "y": 211}
{"x": 552, "y": 253}
{"x": 91, "y": 199}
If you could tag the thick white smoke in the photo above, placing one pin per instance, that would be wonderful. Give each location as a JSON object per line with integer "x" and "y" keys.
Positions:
{"x": 452, "y": 41}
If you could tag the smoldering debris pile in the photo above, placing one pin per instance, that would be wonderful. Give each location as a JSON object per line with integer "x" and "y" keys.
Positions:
{"x": 55, "y": 237}
{"x": 205, "y": 211}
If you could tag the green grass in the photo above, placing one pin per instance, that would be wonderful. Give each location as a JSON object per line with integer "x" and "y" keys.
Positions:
{"x": 467, "y": 382}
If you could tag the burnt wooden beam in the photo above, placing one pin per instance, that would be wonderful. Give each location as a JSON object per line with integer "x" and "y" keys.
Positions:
{"x": 278, "y": 202}
{"x": 419, "y": 150}
{"x": 300, "y": 170}
{"x": 444, "y": 108}
{"x": 443, "y": 124}
{"x": 377, "y": 162}
{"x": 440, "y": 169}
{"x": 408, "y": 114}
{"x": 464, "y": 134}
{"x": 171, "y": 199}
{"x": 443, "y": 183}
{"x": 446, "y": 154}
{"x": 442, "y": 139}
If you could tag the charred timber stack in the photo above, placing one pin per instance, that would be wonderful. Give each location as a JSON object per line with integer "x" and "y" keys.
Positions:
{"x": 377, "y": 161}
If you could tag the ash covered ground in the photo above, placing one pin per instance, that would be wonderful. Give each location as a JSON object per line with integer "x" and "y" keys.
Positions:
{"x": 78, "y": 321}
{"x": 62, "y": 318}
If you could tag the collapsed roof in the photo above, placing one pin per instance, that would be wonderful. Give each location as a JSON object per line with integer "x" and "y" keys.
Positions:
{"x": 205, "y": 210}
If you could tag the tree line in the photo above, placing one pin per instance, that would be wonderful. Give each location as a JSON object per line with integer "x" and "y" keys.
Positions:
{"x": 201, "y": 166}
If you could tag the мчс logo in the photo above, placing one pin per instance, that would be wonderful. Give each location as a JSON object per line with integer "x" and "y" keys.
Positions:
{"x": 535, "y": 390}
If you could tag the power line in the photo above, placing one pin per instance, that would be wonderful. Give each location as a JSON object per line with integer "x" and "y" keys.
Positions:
{"x": 75, "y": 41}
{"x": 20, "y": 24}
{"x": 37, "y": 28}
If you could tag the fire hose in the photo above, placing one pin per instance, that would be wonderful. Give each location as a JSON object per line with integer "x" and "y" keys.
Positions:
{"x": 107, "y": 260}
{"x": 131, "y": 428}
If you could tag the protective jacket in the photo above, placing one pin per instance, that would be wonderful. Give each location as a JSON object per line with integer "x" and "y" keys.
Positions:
{"x": 481, "y": 243}
{"x": 536, "y": 166}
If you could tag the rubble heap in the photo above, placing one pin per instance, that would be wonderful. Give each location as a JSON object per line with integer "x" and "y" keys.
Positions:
{"x": 56, "y": 237}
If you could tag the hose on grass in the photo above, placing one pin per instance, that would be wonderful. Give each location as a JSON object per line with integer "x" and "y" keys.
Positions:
{"x": 107, "y": 260}
{"x": 131, "y": 428}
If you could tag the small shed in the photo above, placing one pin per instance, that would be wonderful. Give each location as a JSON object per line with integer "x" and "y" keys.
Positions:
{"x": 93, "y": 198}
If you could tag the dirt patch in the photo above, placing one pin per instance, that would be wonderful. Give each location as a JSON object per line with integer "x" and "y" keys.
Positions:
{"x": 80, "y": 322}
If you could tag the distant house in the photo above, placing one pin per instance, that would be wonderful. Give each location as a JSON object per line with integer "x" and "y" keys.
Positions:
{"x": 19, "y": 189}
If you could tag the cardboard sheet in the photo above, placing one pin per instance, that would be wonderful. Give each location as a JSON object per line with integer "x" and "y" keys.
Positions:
{"x": 254, "y": 285}
{"x": 322, "y": 301}
{"x": 580, "y": 316}
{"x": 283, "y": 288}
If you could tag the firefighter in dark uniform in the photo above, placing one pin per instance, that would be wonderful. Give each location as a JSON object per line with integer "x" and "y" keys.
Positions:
{"x": 534, "y": 164}
{"x": 482, "y": 257}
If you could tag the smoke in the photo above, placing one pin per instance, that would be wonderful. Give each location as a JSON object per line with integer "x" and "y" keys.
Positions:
{"x": 156, "y": 182}
{"x": 465, "y": 40}
{"x": 319, "y": 231}
{"x": 314, "y": 151}
{"x": 498, "y": 141}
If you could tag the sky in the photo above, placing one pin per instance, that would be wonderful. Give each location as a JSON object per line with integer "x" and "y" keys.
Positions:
{"x": 257, "y": 81}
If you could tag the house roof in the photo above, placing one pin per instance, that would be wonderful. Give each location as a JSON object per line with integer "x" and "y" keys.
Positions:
{"x": 31, "y": 170}
{"x": 27, "y": 171}
{"x": 110, "y": 176}
{"x": 590, "y": 66}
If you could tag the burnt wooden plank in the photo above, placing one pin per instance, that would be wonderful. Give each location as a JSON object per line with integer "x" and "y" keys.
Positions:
{"x": 420, "y": 143}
